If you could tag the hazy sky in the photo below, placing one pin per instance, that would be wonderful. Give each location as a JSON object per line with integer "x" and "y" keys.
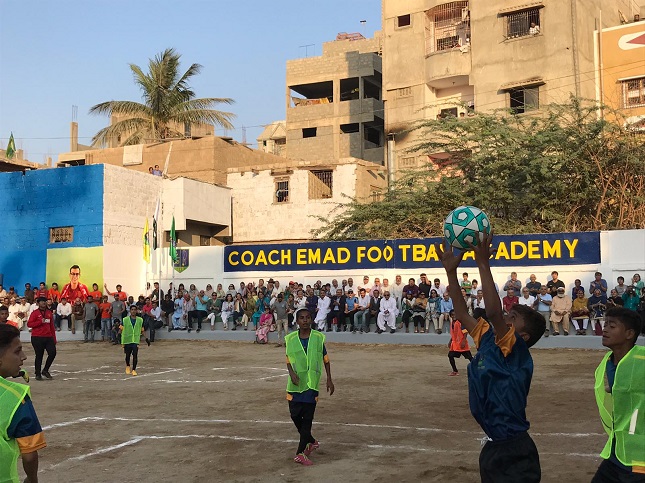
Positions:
{"x": 56, "y": 54}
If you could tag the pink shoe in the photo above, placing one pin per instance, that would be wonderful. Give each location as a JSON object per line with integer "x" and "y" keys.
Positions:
{"x": 453, "y": 374}
{"x": 303, "y": 460}
{"x": 311, "y": 447}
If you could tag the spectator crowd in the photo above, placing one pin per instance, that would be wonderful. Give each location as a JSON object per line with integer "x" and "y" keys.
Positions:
{"x": 419, "y": 305}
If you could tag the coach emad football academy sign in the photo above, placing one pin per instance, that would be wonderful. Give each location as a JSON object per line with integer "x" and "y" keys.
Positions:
{"x": 416, "y": 253}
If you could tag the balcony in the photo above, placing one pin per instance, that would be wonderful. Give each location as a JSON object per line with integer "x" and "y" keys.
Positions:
{"x": 448, "y": 68}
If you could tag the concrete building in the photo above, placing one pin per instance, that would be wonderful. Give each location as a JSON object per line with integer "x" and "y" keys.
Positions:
{"x": 334, "y": 104}
{"x": 273, "y": 139}
{"x": 454, "y": 58}
{"x": 204, "y": 159}
{"x": 17, "y": 162}
{"x": 285, "y": 202}
{"x": 94, "y": 216}
{"x": 620, "y": 71}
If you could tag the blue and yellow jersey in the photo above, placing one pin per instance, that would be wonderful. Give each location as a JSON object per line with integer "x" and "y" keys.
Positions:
{"x": 499, "y": 379}
{"x": 25, "y": 428}
{"x": 310, "y": 395}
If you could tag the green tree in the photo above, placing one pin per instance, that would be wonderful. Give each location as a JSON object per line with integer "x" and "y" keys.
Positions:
{"x": 564, "y": 169}
{"x": 168, "y": 104}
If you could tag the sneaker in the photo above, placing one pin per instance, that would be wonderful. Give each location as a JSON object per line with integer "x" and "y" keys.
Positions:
{"x": 453, "y": 374}
{"x": 134, "y": 373}
{"x": 392, "y": 331}
{"x": 47, "y": 375}
{"x": 566, "y": 332}
{"x": 39, "y": 378}
{"x": 546, "y": 333}
{"x": 303, "y": 460}
{"x": 198, "y": 330}
{"x": 311, "y": 447}
{"x": 128, "y": 370}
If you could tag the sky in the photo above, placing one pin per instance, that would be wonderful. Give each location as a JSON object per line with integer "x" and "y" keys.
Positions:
{"x": 55, "y": 55}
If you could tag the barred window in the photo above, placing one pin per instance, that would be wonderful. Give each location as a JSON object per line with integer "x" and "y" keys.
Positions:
{"x": 522, "y": 24}
{"x": 408, "y": 162}
{"x": 633, "y": 93}
{"x": 524, "y": 99}
{"x": 447, "y": 27}
{"x": 61, "y": 234}
{"x": 404, "y": 92}
{"x": 282, "y": 191}
{"x": 321, "y": 184}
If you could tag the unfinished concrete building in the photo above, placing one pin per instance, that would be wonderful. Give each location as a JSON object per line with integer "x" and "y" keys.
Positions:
{"x": 334, "y": 102}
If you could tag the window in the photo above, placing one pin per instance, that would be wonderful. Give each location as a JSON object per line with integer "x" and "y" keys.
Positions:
{"x": 408, "y": 162}
{"x": 404, "y": 92}
{"x": 524, "y": 99}
{"x": 349, "y": 128}
{"x": 282, "y": 191}
{"x": 349, "y": 89}
{"x": 447, "y": 27}
{"x": 633, "y": 93}
{"x": 372, "y": 136}
{"x": 309, "y": 132}
{"x": 321, "y": 183}
{"x": 204, "y": 241}
{"x": 403, "y": 21}
{"x": 376, "y": 193}
{"x": 61, "y": 234}
{"x": 522, "y": 24}
{"x": 448, "y": 112}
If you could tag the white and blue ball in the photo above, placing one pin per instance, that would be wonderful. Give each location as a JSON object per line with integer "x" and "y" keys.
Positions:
{"x": 464, "y": 226}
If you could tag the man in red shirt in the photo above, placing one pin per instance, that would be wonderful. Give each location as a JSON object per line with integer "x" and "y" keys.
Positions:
{"x": 43, "y": 338}
{"x": 123, "y": 297}
{"x": 75, "y": 289}
{"x": 510, "y": 300}
{"x": 53, "y": 293}
{"x": 42, "y": 291}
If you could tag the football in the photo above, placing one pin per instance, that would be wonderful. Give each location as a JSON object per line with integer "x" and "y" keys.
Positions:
{"x": 465, "y": 225}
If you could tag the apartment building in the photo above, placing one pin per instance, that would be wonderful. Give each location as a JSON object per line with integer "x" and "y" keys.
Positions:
{"x": 454, "y": 58}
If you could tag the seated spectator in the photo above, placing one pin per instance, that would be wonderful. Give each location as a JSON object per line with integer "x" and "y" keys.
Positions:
{"x": 577, "y": 285}
{"x": 406, "y": 308}
{"x": 373, "y": 309}
{"x": 510, "y": 300}
{"x": 580, "y": 312}
{"x": 337, "y": 309}
{"x": 513, "y": 283}
{"x": 424, "y": 286}
{"x": 526, "y": 298}
{"x": 167, "y": 308}
{"x": 351, "y": 303}
{"x": 631, "y": 298}
{"x": 637, "y": 283}
{"x": 312, "y": 302}
{"x": 411, "y": 288}
{"x": 238, "y": 309}
{"x": 387, "y": 314}
{"x": 419, "y": 312}
{"x": 266, "y": 321}
{"x": 621, "y": 287}
{"x": 322, "y": 310}
{"x": 468, "y": 300}
{"x": 533, "y": 285}
{"x": 543, "y": 303}
{"x": 597, "y": 304}
{"x": 362, "y": 310}
{"x": 228, "y": 309}
{"x": 560, "y": 312}
{"x": 439, "y": 287}
{"x": 445, "y": 306}
{"x": 465, "y": 283}
{"x": 63, "y": 313}
{"x": 432, "y": 311}
{"x": 155, "y": 320}
{"x": 249, "y": 310}
{"x": 479, "y": 307}
{"x": 598, "y": 282}
{"x": 3, "y": 292}
{"x": 614, "y": 300}
{"x": 376, "y": 287}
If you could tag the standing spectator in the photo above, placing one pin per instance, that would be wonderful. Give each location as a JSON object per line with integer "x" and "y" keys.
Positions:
{"x": 467, "y": 300}
{"x": 387, "y": 314}
{"x": 424, "y": 286}
{"x": 119, "y": 293}
{"x": 178, "y": 313}
{"x": 280, "y": 309}
{"x": 598, "y": 282}
{"x": 63, "y": 313}
{"x": 411, "y": 288}
{"x": 43, "y": 338}
{"x": 118, "y": 307}
{"x": 465, "y": 283}
{"x": 373, "y": 309}
{"x": 580, "y": 313}
{"x": 560, "y": 312}
{"x": 75, "y": 289}
{"x": 90, "y": 312}
{"x": 397, "y": 290}
{"x": 41, "y": 291}
{"x": 638, "y": 283}
{"x": 621, "y": 287}
{"x": 554, "y": 284}
{"x": 445, "y": 306}
{"x": 106, "y": 319}
{"x": 77, "y": 314}
{"x": 543, "y": 303}
{"x": 155, "y": 320}
{"x": 510, "y": 300}
{"x": 513, "y": 283}
{"x": 156, "y": 295}
{"x": 479, "y": 306}
{"x": 362, "y": 310}
{"x": 337, "y": 309}
{"x": 533, "y": 286}
{"x": 28, "y": 294}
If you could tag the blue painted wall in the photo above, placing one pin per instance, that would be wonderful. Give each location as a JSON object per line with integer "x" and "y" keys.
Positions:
{"x": 33, "y": 202}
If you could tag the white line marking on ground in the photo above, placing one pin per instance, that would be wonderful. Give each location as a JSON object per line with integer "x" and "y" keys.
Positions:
{"x": 99, "y": 451}
{"x": 250, "y": 367}
{"x": 92, "y": 369}
{"x": 193, "y": 381}
{"x": 124, "y": 378}
{"x": 317, "y": 423}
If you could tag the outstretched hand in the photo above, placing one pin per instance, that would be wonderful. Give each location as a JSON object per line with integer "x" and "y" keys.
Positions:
{"x": 449, "y": 260}
{"x": 483, "y": 250}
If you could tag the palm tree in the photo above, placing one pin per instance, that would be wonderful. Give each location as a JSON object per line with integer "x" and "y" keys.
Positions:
{"x": 168, "y": 102}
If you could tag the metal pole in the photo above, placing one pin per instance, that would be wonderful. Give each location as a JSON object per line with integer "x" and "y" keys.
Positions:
{"x": 390, "y": 161}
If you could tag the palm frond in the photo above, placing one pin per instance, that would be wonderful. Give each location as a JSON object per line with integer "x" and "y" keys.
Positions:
{"x": 124, "y": 108}
{"x": 122, "y": 128}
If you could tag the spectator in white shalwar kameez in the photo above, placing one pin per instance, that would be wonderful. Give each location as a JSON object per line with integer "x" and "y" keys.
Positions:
{"x": 322, "y": 310}
{"x": 387, "y": 313}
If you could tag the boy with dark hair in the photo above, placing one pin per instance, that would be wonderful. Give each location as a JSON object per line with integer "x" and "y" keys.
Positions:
{"x": 620, "y": 393}
{"x": 499, "y": 377}
{"x": 458, "y": 345}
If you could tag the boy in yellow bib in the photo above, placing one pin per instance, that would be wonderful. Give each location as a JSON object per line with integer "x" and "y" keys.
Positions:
{"x": 20, "y": 431}
{"x": 620, "y": 394}
{"x": 306, "y": 354}
{"x": 131, "y": 332}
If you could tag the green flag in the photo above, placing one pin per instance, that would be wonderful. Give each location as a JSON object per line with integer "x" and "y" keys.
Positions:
{"x": 173, "y": 241}
{"x": 11, "y": 147}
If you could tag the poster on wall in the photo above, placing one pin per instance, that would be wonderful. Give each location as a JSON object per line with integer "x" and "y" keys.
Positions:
{"x": 75, "y": 270}
{"x": 182, "y": 261}
{"x": 418, "y": 253}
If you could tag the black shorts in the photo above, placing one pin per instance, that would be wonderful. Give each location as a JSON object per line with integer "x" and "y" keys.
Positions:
{"x": 459, "y": 353}
{"x": 608, "y": 472}
{"x": 512, "y": 460}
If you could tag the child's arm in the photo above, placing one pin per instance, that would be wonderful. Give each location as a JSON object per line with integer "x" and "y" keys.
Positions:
{"x": 494, "y": 311}
{"x": 450, "y": 262}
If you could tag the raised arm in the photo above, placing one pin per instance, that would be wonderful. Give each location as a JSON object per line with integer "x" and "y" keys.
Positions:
{"x": 451, "y": 262}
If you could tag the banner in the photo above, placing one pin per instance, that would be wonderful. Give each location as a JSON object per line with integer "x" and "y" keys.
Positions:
{"x": 417, "y": 253}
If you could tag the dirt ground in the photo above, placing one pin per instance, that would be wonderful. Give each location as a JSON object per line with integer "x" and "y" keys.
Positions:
{"x": 216, "y": 411}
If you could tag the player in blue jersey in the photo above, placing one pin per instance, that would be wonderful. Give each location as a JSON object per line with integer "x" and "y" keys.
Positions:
{"x": 499, "y": 376}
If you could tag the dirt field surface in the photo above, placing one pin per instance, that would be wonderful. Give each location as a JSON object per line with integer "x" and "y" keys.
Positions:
{"x": 216, "y": 411}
